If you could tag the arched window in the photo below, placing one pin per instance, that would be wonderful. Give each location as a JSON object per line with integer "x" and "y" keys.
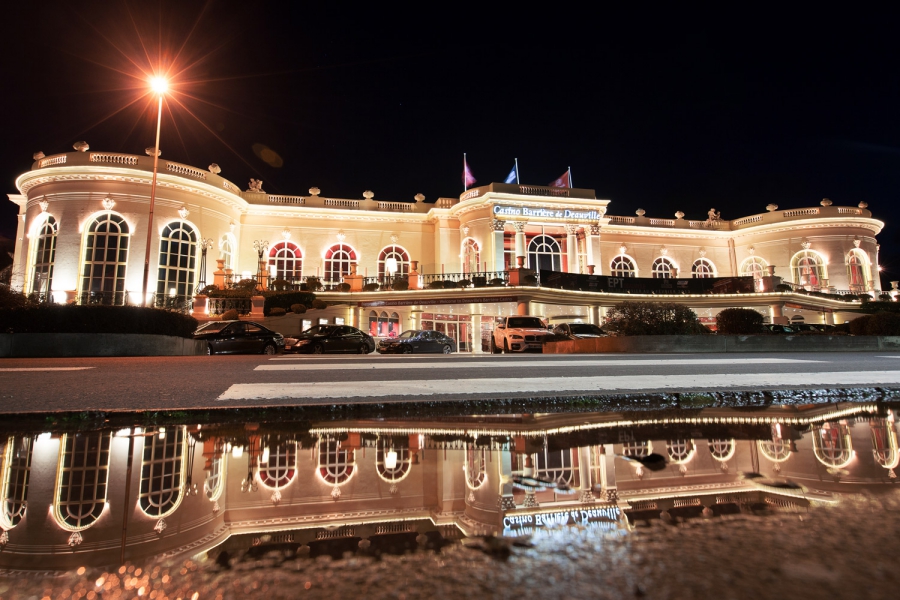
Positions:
{"x": 622, "y": 266}
{"x": 336, "y": 465}
{"x": 471, "y": 256}
{"x": 162, "y": 471}
{"x": 663, "y": 268}
{"x": 775, "y": 449}
{"x": 754, "y": 267}
{"x": 857, "y": 270}
{"x": 556, "y": 465}
{"x": 214, "y": 482}
{"x": 721, "y": 449}
{"x": 337, "y": 262}
{"x": 14, "y": 486}
{"x": 43, "y": 254}
{"x": 808, "y": 268}
{"x": 105, "y": 259}
{"x": 391, "y": 463}
{"x": 544, "y": 253}
{"x": 392, "y": 261}
{"x": 702, "y": 269}
{"x": 83, "y": 476}
{"x": 226, "y": 248}
{"x": 287, "y": 260}
{"x": 637, "y": 449}
{"x": 884, "y": 443}
{"x": 476, "y": 471}
{"x": 680, "y": 451}
{"x": 831, "y": 445}
{"x": 280, "y": 468}
{"x": 177, "y": 260}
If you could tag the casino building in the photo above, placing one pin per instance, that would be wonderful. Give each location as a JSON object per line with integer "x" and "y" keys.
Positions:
{"x": 83, "y": 233}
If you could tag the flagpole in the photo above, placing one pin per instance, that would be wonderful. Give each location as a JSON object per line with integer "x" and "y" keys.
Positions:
{"x": 517, "y": 171}
{"x": 570, "y": 178}
{"x": 465, "y": 179}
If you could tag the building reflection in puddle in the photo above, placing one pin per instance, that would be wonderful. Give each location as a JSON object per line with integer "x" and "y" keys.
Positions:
{"x": 105, "y": 497}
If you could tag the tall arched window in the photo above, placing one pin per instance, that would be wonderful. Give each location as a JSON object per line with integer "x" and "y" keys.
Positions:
{"x": 680, "y": 451}
{"x": 622, "y": 266}
{"x": 392, "y": 261}
{"x": 754, "y": 267}
{"x": 14, "y": 486}
{"x": 475, "y": 466}
{"x": 663, "y": 268}
{"x": 105, "y": 260}
{"x": 776, "y": 449}
{"x": 702, "y": 269}
{"x": 336, "y": 464}
{"x": 214, "y": 482}
{"x": 177, "y": 260}
{"x": 884, "y": 443}
{"x": 43, "y": 254}
{"x": 857, "y": 270}
{"x": 281, "y": 467}
{"x": 392, "y": 463}
{"x": 83, "y": 477}
{"x": 287, "y": 260}
{"x": 832, "y": 446}
{"x": 471, "y": 255}
{"x": 808, "y": 268}
{"x": 337, "y": 262}
{"x": 162, "y": 471}
{"x": 226, "y": 250}
{"x": 544, "y": 253}
{"x": 556, "y": 465}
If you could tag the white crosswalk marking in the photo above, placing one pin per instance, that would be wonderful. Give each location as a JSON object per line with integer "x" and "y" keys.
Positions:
{"x": 15, "y": 369}
{"x": 321, "y": 392}
{"x": 492, "y": 364}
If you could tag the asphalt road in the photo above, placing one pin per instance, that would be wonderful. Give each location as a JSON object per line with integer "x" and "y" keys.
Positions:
{"x": 168, "y": 383}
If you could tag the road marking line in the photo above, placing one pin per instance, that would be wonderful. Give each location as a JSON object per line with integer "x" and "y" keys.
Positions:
{"x": 12, "y": 369}
{"x": 554, "y": 385}
{"x": 355, "y": 366}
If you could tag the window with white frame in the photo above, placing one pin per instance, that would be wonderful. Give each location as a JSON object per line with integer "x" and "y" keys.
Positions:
{"x": 83, "y": 479}
{"x": 162, "y": 470}
{"x": 43, "y": 256}
{"x": 393, "y": 261}
{"x": 637, "y": 449}
{"x": 808, "y": 268}
{"x": 105, "y": 258}
{"x": 857, "y": 267}
{"x": 680, "y": 451}
{"x": 884, "y": 443}
{"x": 336, "y": 464}
{"x": 776, "y": 449}
{"x": 337, "y": 262}
{"x": 622, "y": 266}
{"x": 831, "y": 444}
{"x": 177, "y": 260}
{"x": 662, "y": 268}
{"x": 754, "y": 267}
{"x": 703, "y": 269}
{"x": 392, "y": 463}
{"x": 721, "y": 449}
{"x": 16, "y": 471}
{"x": 544, "y": 253}
{"x": 287, "y": 261}
{"x": 556, "y": 465}
{"x": 280, "y": 468}
{"x": 214, "y": 482}
{"x": 476, "y": 469}
{"x": 471, "y": 262}
{"x": 226, "y": 250}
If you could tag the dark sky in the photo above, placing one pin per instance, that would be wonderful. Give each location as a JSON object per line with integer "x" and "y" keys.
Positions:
{"x": 663, "y": 111}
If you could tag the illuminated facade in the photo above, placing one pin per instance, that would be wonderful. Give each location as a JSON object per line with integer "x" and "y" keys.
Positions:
{"x": 83, "y": 230}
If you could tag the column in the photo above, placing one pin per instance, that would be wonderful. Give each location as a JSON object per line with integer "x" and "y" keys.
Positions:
{"x": 592, "y": 245}
{"x": 505, "y": 500}
{"x": 777, "y": 311}
{"x": 523, "y": 307}
{"x": 476, "y": 331}
{"x": 497, "y": 237}
{"x": 519, "y": 226}
{"x": 595, "y": 315}
{"x": 584, "y": 475}
{"x": 572, "y": 248}
{"x": 415, "y": 319}
{"x": 608, "y": 474}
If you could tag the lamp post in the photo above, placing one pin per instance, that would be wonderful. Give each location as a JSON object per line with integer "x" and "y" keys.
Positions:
{"x": 205, "y": 244}
{"x": 159, "y": 86}
{"x": 260, "y": 246}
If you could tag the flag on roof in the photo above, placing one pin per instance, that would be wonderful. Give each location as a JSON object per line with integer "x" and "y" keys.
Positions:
{"x": 513, "y": 176}
{"x": 468, "y": 178}
{"x": 564, "y": 181}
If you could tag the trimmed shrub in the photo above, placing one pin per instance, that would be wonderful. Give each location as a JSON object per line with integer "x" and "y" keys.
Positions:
{"x": 11, "y": 299}
{"x": 436, "y": 285}
{"x": 230, "y": 315}
{"x": 849, "y": 297}
{"x": 653, "y": 318}
{"x": 95, "y": 318}
{"x": 464, "y": 283}
{"x": 312, "y": 284}
{"x": 783, "y": 287}
{"x": 286, "y": 300}
{"x": 497, "y": 282}
{"x": 344, "y": 287}
{"x": 298, "y": 309}
{"x": 208, "y": 290}
{"x": 319, "y": 304}
{"x": 400, "y": 284}
{"x": 279, "y": 285}
{"x": 449, "y": 285}
{"x": 530, "y": 280}
{"x": 371, "y": 287}
{"x": 277, "y": 312}
{"x": 246, "y": 284}
{"x": 882, "y": 323}
{"x": 884, "y": 297}
{"x": 739, "y": 321}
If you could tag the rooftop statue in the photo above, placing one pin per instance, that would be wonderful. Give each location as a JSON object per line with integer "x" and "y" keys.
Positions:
{"x": 256, "y": 186}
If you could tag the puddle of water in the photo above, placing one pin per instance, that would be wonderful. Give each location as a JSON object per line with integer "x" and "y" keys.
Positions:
{"x": 243, "y": 504}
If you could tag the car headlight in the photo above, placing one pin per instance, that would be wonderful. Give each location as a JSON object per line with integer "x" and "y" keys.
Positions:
{"x": 516, "y": 337}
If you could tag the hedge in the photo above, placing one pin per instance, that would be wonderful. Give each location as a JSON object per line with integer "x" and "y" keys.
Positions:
{"x": 286, "y": 300}
{"x": 74, "y": 318}
{"x": 883, "y": 323}
{"x": 653, "y": 318}
{"x": 739, "y": 321}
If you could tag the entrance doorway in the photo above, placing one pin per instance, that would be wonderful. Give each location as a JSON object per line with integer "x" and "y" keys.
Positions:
{"x": 458, "y": 327}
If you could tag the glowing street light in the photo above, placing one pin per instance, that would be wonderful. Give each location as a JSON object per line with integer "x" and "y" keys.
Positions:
{"x": 159, "y": 86}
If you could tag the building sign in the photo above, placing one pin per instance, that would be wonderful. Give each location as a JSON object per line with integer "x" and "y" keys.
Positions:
{"x": 575, "y": 516}
{"x": 648, "y": 285}
{"x": 546, "y": 213}
{"x": 411, "y": 302}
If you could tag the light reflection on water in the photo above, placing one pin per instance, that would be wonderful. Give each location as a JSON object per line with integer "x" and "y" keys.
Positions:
{"x": 240, "y": 493}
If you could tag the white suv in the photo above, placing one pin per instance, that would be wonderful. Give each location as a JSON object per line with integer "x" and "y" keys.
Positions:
{"x": 518, "y": 334}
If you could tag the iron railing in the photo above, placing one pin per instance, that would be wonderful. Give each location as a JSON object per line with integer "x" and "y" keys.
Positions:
{"x": 219, "y": 306}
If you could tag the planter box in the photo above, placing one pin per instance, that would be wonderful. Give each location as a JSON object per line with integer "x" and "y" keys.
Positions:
{"x": 62, "y": 345}
{"x": 662, "y": 344}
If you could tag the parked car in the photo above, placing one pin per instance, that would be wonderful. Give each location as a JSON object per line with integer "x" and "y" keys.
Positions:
{"x": 812, "y": 327}
{"x": 321, "y": 339}
{"x": 579, "y": 330}
{"x": 518, "y": 334}
{"x": 416, "y": 340}
{"x": 233, "y": 337}
{"x": 772, "y": 328}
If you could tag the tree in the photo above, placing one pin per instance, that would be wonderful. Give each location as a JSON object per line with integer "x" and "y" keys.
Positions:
{"x": 739, "y": 321}
{"x": 653, "y": 318}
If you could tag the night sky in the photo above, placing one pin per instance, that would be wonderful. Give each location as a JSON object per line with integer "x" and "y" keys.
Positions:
{"x": 663, "y": 111}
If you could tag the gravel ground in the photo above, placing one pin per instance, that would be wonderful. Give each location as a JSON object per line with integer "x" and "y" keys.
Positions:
{"x": 839, "y": 551}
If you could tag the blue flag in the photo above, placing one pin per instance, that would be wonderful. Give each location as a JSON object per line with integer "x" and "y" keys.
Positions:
{"x": 513, "y": 176}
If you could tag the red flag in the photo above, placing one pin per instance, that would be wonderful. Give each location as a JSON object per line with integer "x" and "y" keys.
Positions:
{"x": 468, "y": 178}
{"x": 563, "y": 181}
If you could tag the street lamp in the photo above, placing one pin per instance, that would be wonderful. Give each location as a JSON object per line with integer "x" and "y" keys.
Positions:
{"x": 260, "y": 246}
{"x": 159, "y": 86}
{"x": 205, "y": 244}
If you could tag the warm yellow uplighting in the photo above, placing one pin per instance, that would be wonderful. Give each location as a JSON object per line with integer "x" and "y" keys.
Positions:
{"x": 159, "y": 85}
